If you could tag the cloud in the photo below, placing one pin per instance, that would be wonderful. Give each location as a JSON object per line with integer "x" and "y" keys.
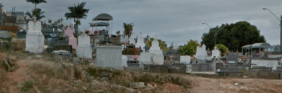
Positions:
{"x": 171, "y": 20}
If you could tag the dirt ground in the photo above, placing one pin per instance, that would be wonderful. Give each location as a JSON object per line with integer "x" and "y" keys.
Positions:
{"x": 33, "y": 77}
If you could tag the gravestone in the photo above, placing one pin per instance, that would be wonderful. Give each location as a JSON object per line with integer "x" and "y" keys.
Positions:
{"x": 140, "y": 42}
{"x": 124, "y": 38}
{"x": 109, "y": 56}
{"x": 185, "y": 59}
{"x": 232, "y": 57}
{"x": 124, "y": 61}
{"x": 34, "y": 37}
{"x": 131, "y": 40}
{"x": 215, "y": 53}
{"x": 158, "y": 59}
{"x": 4, "y": 35}
{"x": 273, "y": 63}
{"x": 201, "y": 52}
{"x": 72, "y": 39}
{"x": 155, "y": 48}
{"x": 175, "y": 46}
{"x": 145, "y": 58}
{"x": 84, "y": 49}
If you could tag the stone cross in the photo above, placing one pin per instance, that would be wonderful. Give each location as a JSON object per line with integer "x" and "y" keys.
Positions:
{"x": 155, "y": 36}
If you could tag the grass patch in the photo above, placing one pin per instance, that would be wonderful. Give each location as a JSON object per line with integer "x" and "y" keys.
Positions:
{"x": 59, "y": 72}
{"x": 162, "y": 79}
{"x": 269, "y": 90}
{"x": 27, "y": 85}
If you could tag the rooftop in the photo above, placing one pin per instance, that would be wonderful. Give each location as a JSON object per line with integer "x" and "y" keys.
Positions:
{"x": 257, "y": 45}
{"x": 103, "y": 17}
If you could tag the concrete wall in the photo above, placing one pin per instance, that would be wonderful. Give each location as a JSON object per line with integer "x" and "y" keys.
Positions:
{"x": 266, "y": 62}
{"x": 203, "y": 67}
{"x": 109, "y": 56}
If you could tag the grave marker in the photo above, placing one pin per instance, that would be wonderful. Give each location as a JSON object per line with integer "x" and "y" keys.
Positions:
{"x": 72, "y": 39}
{"x": 84, "y": 49}
{"x": 34, "y": 37}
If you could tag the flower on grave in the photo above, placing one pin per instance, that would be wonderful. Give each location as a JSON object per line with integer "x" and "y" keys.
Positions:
{"x": 96, "y": 32}
{"x": 87, "y": 31}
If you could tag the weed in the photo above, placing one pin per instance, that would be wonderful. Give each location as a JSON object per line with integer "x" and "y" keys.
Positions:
{"x": 27, "y": 85}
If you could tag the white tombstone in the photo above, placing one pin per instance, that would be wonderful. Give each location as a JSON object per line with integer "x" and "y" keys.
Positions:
{"x": 175, "y": 46}
{"x": 124, "y": 60}
{"x": 131, "y": 40}
{"x": 109, "y": 56}
{"x": 155, "y": 48}
{"x": 34, "y": 37}
{"x": 145, "y": 58}
{"x": 158, "y": 59}
{"x": 124, "y": 38}
{"x": 84, "y": 49}
{"x": 215, "y": 53}
{"x": 140, "y": 42}
{"x": 185, "y": 59}
{"x": 201, "y": 52}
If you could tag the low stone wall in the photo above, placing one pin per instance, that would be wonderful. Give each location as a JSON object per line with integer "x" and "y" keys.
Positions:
{"x": 172, "y": 68}
{"x": 265, "y": 74}
{"x": 203, "y": 67}
{"x": 158, "y": 68}
{"x": 231, "y": 74}
{"x": 63, "y": 58}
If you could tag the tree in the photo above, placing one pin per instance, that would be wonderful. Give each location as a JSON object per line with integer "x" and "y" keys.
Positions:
{"x": 37, "y": 13}
{"x": 161, "y": 44}
{"x": 233, "y": 36}
{"x": 190, "y": 48}
{"x": 77, "y": 12}
{"x": 49, "y": 21}
{"x": 223, "y": 49}
{"x": 128, "y": 28}
{"x": 35, "y": 2}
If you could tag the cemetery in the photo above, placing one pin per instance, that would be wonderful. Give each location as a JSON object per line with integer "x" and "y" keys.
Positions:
{"x": 129, "y": 60}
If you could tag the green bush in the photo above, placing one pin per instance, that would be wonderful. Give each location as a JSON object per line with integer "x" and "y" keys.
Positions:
{"x": 223, "y": 49}
{"x": 190, "y": 48}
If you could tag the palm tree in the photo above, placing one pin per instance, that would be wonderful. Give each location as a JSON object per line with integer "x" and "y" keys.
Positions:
{"x": 128, "y": 28}
{"x": 77, "y": 12}
{"x": 37, "y": 13}
{"x": 35, "y": 2}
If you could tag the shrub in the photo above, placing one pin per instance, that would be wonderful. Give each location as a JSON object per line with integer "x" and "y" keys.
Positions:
{"x": 223, "y": 49}
{"x": 27, "y": 85}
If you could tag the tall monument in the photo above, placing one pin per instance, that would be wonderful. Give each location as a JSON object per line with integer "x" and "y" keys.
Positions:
{"x": 34, "y": 37}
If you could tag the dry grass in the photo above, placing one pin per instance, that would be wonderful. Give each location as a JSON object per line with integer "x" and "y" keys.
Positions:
{"x": 19, "y": 44}
{"x": 59, "y": 71}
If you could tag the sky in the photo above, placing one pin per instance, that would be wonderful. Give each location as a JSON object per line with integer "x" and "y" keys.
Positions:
{"x": 171, "y": 20}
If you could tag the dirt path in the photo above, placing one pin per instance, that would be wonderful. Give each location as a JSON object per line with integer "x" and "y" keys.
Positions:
{"x": 211, "y": 85}
{"x": 18, "y": 76}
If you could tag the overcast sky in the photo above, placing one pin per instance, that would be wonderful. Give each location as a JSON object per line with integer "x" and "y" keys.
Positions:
{"x": 171, "y": 20}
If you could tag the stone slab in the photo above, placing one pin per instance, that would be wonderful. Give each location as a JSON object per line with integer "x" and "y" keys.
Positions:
{"x": 158, "y": 59}
{"x": 185, "y": 59}
{"x": 84, "y": 52}
{"x": 124, "y": 61}
{"x": 34, "y": 43}
{"x": 109, "y": 56}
